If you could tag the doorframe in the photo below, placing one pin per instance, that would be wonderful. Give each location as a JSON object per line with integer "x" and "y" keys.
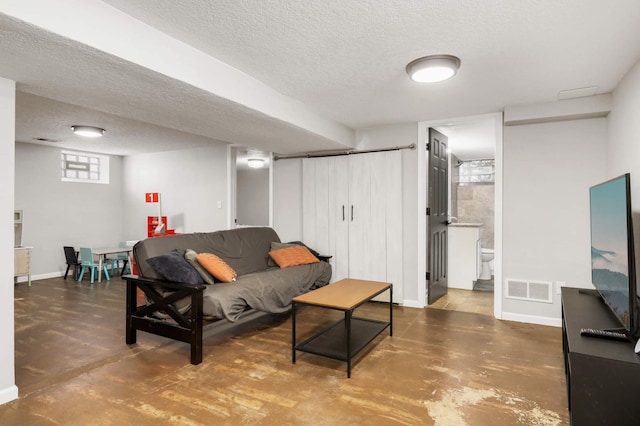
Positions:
{"x": 423, "y": 136}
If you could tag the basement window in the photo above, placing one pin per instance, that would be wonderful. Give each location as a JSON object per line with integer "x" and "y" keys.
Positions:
{"x": 84, "y": 167}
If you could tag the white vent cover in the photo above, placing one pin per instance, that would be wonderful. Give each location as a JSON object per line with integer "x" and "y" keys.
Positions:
{"x": 534, "y": 291}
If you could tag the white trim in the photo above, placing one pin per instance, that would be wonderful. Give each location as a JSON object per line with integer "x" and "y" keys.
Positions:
{"x": 231, "y": 185}
{"x": 423, "y": 135}
{"x": 532, "y": 319}
{"x": 407, "y": 303}
{"x": 51, "y": 275}
{"x": 497, "y": 243}
{"x": 271, "y": 189}
{"x": 8, "y": 394}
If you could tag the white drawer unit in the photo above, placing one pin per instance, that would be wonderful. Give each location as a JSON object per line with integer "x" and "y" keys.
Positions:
{"x": 22, "y": 263}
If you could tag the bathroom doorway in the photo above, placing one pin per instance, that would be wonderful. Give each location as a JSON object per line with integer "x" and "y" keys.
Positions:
{"x": 250, "y": 188}
{"x": 472, "y": 210}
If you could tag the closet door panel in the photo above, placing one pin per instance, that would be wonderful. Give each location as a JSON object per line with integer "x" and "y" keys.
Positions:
{"x": 359, "y": 216}
{"x": 315, "y": 204}
{"x": 377, "y": 230}
{"x": 353, "y": 212}
{"x": 340, "y": 212}
{"x": 394, "y": 224}
{"x": 309, "y": 209}
{"x": 322, "y": 201}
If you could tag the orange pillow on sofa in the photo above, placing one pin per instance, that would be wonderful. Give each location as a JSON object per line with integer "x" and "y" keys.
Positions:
{"x": 292, "y": 256}
{"x": 216, "y": 267}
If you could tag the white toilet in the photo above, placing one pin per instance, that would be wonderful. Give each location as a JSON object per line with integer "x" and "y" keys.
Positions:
{"x": 486, "y": 256}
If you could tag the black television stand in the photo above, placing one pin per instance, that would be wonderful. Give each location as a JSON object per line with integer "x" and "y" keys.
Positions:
{"x": 603, "y": 376}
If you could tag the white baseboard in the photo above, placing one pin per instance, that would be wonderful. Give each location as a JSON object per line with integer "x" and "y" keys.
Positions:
{"x": 412, "y": 304}
{"x": 8, "y": 394}
{"x": 532, "y": 319}
{"x": 24, "y": 279}
{"x": 50, "y": 275}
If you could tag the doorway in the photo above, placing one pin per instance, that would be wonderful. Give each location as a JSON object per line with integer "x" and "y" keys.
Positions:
{"x": 250, "y": 188}
{"x": 475, "y": 144}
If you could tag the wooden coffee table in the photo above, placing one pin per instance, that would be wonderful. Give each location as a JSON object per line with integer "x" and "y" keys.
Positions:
{"x": 344, "y": 339}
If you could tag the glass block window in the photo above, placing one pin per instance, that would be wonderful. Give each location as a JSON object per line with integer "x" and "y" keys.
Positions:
{"x": 477, "y": 172}
{"x": 84, "y": 167}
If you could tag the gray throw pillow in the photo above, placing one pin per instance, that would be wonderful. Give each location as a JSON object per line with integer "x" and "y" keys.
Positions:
{"x": 190, "y": 255}
{"x": 174, "y": 267}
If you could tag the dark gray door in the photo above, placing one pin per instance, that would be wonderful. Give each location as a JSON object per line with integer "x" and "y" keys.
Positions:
{"x": 437, "y": 219}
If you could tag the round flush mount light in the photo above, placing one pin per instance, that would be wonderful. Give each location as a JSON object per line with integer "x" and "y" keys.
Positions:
{"x": 434, "y": 68}
{"x": 255, "y": 163}
{"x": 88, "y": 131}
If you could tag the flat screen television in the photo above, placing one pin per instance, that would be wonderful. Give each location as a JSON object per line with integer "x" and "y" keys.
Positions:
{"x": 612, "y": 254}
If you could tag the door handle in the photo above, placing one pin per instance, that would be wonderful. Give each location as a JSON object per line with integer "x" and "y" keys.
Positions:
{"x": 343, "y": 212}
{"x": 351, "y": 212}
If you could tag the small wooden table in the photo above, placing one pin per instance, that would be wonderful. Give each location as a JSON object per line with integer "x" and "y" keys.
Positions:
{"x": 350, "y": 335}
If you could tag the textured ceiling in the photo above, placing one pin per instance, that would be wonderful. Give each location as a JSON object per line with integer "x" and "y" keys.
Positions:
{"x": 317, "y": 69}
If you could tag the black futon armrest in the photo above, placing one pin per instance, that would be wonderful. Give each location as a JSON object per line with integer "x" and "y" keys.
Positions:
{"x": 183, "y": 327}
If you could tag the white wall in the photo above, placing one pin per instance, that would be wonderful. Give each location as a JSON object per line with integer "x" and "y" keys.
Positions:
{"x": 60, "y": 213}
{"x": 623, "y": 148}
{"x": 287, "y": 199}
{"x": 192, "y": 183}
{"x": 253, "y": 197}
{"x": 8, "y": 389}
{"x": 548, "y": 169}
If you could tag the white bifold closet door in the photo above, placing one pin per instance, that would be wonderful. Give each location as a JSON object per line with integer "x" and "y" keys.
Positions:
{"x": 352, "y": 210}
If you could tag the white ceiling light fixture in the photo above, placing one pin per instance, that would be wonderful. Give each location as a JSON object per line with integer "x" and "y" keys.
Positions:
{"x": 255, "y": 163}
{"x": 88, "y": 131}
{"x": 433, "y": 68}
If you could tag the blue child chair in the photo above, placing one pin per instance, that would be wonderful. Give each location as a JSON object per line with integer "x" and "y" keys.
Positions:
{"x": 86, "y": 261}
{"x": 114, "y": 261}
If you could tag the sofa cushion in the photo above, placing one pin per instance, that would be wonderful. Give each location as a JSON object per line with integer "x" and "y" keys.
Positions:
{"x": 174, "y": 267}
{"x": 277, "y": 246}
{"x": 190, "y": 255}
{"x": 293, "y": 256}
{"x": 216, "y": 267}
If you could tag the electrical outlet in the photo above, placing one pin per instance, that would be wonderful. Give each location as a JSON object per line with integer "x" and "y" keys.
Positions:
{"x": 559, "y": 285}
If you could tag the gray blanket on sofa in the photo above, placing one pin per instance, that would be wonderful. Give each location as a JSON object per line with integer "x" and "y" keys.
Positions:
{"x": 267, "y": 291}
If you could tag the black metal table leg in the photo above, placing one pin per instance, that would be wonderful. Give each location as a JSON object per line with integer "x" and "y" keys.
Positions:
{"x": 293, "y": 333}
{"x": 391, "y": 310}
{"x": 347, "y": 321}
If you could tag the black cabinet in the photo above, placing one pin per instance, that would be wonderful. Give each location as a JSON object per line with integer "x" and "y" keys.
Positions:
{"x": 603, "y": 376}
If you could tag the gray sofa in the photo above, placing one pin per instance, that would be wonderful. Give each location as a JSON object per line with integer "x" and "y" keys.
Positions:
{"x": 179, "y": 310}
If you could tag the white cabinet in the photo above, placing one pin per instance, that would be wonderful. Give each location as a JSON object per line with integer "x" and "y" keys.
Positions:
{"x": 463, "y": 254}
{"x": 22, "y": 263}
{"x": 352, "y": 210}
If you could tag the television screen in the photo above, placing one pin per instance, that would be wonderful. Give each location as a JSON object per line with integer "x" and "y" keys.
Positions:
{"x": 612, "y": 262}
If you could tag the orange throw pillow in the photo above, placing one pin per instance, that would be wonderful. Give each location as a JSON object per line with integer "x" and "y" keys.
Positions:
{"x": 292, "y": 256}
{"x": 216, "y": 267}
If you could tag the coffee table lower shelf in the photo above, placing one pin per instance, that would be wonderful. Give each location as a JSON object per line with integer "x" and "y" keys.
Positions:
{"x": 332, "y": 342}
{"x": 345, "y": 338}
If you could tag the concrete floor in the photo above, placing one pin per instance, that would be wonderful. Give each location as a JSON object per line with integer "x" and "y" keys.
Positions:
{"x": 440, "y": 367}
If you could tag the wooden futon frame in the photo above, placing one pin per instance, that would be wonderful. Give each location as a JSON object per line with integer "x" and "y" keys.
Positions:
{"x": 183, "y": 327}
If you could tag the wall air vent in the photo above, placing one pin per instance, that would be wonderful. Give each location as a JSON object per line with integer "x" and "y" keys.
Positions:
{"x": 533, "y": 291}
